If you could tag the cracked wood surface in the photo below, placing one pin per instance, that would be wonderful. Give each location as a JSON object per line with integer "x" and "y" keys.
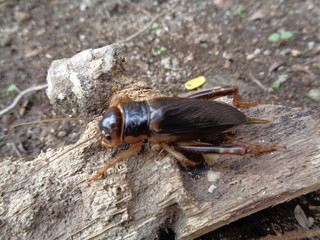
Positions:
{"x": 50, "y": 198}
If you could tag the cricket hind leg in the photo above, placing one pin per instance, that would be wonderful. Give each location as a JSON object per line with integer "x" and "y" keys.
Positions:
{"x": 218, "y": 92}
{"x": 235, "y": 149}
{"x": 256, "y": 149}
{"x": 179, "y": 156}
{"x": 120, "y": 157}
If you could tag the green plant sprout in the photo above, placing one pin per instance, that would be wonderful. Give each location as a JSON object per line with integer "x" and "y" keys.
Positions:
{"x": 279, "y": 37}
{"x": 154, "y": 26}
{"x": 55, "y": 8}
{"x": 9, "y": 90}
{"x": 161, "y": 50}
{"x": 239, "y": 10}
{"x": 276, "y": 85}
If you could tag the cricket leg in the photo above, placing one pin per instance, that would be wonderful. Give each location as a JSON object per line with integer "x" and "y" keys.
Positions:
{"x": 218, "y": 92}
{"x": 256, "y": 149}
{"x": 232, "y": 149}
{"x": 121, "y": 156}
{"x": 179, "y": 156}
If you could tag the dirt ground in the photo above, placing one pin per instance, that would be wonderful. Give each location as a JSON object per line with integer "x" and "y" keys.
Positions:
{"x": 210, "y": 38}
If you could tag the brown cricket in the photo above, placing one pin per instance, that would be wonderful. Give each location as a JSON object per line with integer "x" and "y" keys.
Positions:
{"x": 177, "y": 124}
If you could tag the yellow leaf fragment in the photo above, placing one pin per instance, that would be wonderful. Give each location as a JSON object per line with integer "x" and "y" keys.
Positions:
{"x": 295, "y": 52}
{"x": 195, "y": 83}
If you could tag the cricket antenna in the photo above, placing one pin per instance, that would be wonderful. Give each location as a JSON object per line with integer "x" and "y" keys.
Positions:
{"x": 46, "y": 120}
{"x": 74, "y": 147}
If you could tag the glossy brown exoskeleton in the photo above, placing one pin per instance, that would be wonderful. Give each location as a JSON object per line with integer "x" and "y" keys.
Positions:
{"x": 177, "y": 124}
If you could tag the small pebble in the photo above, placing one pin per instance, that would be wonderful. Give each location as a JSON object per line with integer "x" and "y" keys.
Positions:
{"x": 49, "y": 56}
{"x": 257, "y": 51}
{"x": 82, "y": 37}
{"x": 311, "y": 44}
{"x": 62, "y": 134}
{"x": 250, "y": 56}
{"x": 175, "y": 63}
{"x": 211, "y": 188}
{"x": 213, "y": 176}
{"x": 310, "y": 6}
{"x": 227, "y": 56}
{"x": 314, "y": 94}
{"x": 166, "y": 62}
{"x": 267, "y": 52}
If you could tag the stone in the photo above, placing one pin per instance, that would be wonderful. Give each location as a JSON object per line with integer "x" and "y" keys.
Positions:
{"x": 81, "y": 86}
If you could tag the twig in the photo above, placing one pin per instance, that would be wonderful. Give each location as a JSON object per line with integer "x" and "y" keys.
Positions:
{"x": 258, "y": 82}
{"x": 19, "y": 96}
{"x": 146, "y": 27}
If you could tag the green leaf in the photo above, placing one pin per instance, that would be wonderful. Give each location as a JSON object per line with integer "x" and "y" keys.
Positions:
{"x": 276, "y": 85}
{"x": 274, "y": 37}
{"x": 239, "y": 9}
{"x": 11, "y": 88}
{"x": 55, "y": 8}
{"x": 286, "y": 35}
{"x": 67, "y": 26}
{"x": 154, "y": 26}
{"x": 161, "y": 50}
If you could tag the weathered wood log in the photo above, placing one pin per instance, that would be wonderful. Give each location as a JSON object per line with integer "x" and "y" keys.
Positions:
{"x": 50, "y": 198}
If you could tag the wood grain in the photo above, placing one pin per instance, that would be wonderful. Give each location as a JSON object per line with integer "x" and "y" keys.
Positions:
{"x": 50, "y": 198}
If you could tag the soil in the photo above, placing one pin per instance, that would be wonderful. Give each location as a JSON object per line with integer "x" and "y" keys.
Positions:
{"x": 213, "y": 38}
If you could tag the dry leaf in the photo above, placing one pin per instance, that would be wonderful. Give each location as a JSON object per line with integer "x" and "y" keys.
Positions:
{"x": 301, "y": 217}
{"x": 275, "y": 66}
{"x": 261, "y": 13}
